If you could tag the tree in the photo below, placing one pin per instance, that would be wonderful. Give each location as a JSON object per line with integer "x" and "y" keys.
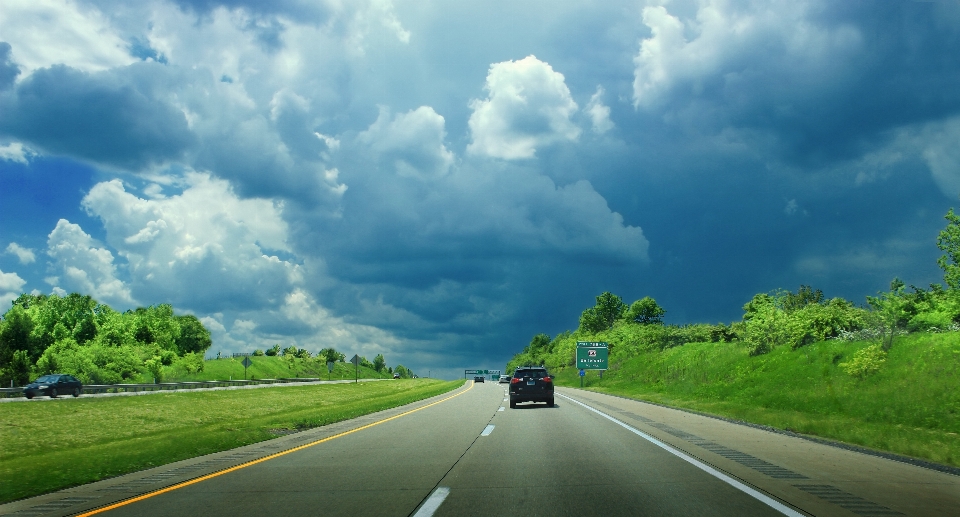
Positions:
{"x": 645, "y": 311}
{"x": 194, "y": 337}
{"x": 889, "y": 313}
{"x": 600, "y": 317}
{"x": 949, "y": 242}
{"x": 274, "y": 350}
{"x": 290, "y": 351}
{"x": 806, "y": 295}
{"x": 379, "y": 363}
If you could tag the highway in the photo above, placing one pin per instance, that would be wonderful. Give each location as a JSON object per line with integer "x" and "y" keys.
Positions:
{"x": 468, "y": 453}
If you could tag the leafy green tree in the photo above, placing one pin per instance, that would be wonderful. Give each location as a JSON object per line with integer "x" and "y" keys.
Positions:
{"x": 290, "y": 351}
{"x": 949, "y": 242}
{"x": 273, "y": 351}
{"x": 330, "y": 355}
{"x": 18, "y": 370}
{"x": 645, "y": 311}
{"x": 258, "y": 353}
{"x": 193, "y": 336}
{"x": 600, "y": 317}
{"x": 302, "y": 353}
{"x": 889, "y": 314}
{"x": 379, "y": 363}
{"x": 806, "y": 295}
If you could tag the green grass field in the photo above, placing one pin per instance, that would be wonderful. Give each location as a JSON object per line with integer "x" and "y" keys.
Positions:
{"x": 53, "y": 445}
{"x": 910, "y": 407}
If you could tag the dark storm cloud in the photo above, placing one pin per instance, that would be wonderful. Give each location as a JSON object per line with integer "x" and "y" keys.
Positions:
{"x": 823, "y": 82}
{"x": 107, "y": 118}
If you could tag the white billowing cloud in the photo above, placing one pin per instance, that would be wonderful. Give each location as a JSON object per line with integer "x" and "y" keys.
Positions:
{"x": 24, "y": 255}
{"x": 598, "y": 112}
{"x": 203, "y": 246}
{"x": 87, "y": 266}
{"x": 50, "y": 32}
{"x": 940, "y": 144}
{"x": 729, "y": 41}
{"x": 10, "y": 288}
{"x": 528, "y": 105}
{"x": 16, "y": 152}
{"x": 412, "y": 141}
{"x": 301, "y": 308}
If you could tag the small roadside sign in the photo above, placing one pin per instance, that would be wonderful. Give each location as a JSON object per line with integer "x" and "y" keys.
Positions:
{"x": 246, "y": 364}
{"x": 356, "y": 367}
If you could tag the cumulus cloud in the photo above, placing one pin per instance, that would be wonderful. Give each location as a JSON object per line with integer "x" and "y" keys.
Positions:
{"x": 412, "y": 142}
{"x": 203, "y": 249}
{"x": 24, "y": 255}
{"x": 8, "y": 69}
{"x": 10, "y": 288}
{"x": 598, "y": 112}
{"x": 16, "y": 152}
{"x": 86, "y": 265}
{"x": 528, "y": 105}
{"x": 74, "y": 34}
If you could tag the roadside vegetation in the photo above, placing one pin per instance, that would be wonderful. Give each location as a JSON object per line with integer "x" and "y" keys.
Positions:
{"x": 884, "y": 375}
{"x": 75, "y": 334}
{"x": 55, "y": 445}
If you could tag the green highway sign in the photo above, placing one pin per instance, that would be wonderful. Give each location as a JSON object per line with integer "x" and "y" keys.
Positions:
{"x": 592, "y": 355}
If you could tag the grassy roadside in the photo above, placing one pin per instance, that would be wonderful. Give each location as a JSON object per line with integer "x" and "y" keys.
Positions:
{"x": 55, "y": 445}
{"x": 910, "y": 407}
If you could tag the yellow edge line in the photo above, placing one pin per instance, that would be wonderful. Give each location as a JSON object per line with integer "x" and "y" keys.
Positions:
{"x": 260, "y": 460}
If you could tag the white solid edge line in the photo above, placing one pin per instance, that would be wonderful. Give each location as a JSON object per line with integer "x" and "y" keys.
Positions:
{"x": 487, "y": 430}
{"x": 763, "y": 498}
{"x": 433, "y": 502}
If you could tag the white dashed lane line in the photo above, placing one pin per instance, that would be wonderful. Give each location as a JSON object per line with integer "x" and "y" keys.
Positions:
{"x": 433, "y": 502}
{"x": 487, "y": 430}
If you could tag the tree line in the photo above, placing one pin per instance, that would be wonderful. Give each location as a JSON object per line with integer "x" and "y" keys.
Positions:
{"x": 75, "y": 334}
{"x": 771, "y": 320}
{"x": 331, "y": 355}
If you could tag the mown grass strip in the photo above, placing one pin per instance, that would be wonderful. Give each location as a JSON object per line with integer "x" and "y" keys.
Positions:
{"x": 50, "y": 446}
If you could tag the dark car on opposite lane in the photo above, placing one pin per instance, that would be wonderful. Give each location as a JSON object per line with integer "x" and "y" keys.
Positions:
{"x": 53, "y": 385}
{"x": 531, "y": 384}
{"x": 478, "y": 378}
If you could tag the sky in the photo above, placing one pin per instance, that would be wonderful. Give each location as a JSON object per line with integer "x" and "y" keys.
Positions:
{"x": 438, "y": 182}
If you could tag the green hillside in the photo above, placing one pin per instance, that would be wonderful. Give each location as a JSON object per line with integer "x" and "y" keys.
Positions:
{"x": 910, "y": 405}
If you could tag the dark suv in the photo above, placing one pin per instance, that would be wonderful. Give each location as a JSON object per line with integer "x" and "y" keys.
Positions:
{"x": 531, "y": 384}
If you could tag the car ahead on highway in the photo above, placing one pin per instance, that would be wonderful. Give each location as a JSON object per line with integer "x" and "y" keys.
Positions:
{"x": 53, "y": 385}
{"x": 478, "y": 378}
{"x": 531, "y": 384}
{"x": 504, "y": 379}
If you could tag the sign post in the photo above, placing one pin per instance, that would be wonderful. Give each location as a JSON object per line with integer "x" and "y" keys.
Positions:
{"x": 329, "y": 369}
{"x": 246, "y": 364}
{"x": 356, "y": 367}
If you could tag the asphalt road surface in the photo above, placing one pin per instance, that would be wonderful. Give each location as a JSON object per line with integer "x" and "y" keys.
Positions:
{"x": 467, "y": 453}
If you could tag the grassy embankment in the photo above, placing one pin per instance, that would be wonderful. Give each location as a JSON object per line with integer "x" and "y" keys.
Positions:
{"x": 267, "y": 367}
{"x": 53, "y": 445}
{"x": 910, "y": 407}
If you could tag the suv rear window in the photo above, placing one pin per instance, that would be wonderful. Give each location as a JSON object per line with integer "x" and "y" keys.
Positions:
{"x": 538, "y": 373}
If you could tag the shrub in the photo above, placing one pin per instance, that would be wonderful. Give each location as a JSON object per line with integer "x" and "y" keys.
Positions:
{"x": 865, "y": 361}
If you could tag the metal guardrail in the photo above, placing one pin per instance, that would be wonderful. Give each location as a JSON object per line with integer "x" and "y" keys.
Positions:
{"x": 118, "y": 388}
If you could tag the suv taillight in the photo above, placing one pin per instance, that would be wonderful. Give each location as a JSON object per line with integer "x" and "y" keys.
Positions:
{"x": 514, "y": 380}
{"x": 547, "y": 379}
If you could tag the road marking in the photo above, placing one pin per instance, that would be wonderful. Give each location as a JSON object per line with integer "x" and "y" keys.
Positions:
{"x": 433, "y": 502}
{"x": 501, "y": 408}
{"x": 261, "y": 460}
{"x": 487, "y": 430}
{"x": 763, "y": 498}
{"x": 505, "y": 400}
